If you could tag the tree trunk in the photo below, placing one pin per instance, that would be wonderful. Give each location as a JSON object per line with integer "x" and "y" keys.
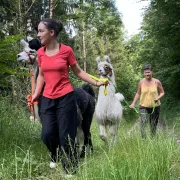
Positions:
{"x": 50, "y": 8}
{"x": 84, "y": 46}
{"x": 20, "y": 17}
{"x": 14, "y": 93}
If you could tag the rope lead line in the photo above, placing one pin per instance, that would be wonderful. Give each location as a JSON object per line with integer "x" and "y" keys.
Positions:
{"x": 29, "y": 96}
{"x": 102, "y": 79}
{"x": 105, "y": 93}
{"x": 138, "y": 112}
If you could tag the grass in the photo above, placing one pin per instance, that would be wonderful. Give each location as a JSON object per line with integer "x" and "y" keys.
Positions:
{"x": 23, "y": 156}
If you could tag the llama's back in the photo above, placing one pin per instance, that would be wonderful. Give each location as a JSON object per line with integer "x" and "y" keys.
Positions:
{"x": 89, "y": 89}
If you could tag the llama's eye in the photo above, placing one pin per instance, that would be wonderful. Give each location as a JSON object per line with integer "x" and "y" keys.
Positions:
{"x": 31, "y": 51}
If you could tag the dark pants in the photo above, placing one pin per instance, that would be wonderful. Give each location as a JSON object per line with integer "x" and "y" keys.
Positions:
{"x": 59, "y": 126}
{"x": 148, "y": 114}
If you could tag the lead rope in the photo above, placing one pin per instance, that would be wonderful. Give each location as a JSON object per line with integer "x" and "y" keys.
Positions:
{"x": 29, "y": 96}
{"x": 105, "y": 80}
{"x": 138, "y": 112}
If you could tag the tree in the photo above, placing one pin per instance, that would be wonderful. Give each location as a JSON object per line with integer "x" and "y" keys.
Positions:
{"x": 161, "y": 45}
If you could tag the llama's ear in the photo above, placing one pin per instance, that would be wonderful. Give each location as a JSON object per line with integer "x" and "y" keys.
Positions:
{"x": 98, "y": 59}
{"x": 29, "y": 38}
{"x": 107, "y": 59}
{"x": 36, "y": 29}
{"x": 24, "y": 43}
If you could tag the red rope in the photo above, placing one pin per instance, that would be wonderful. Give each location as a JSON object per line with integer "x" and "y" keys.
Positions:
{"x": 29, "y": 96}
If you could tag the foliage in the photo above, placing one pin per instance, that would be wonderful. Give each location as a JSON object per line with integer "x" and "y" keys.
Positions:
{"x": 160, "y": 44}
{"x": 103, "y": 36}
{"x": 102, "y": 31}
{"x": 8, "y": 64}
{"x": 99, "y": 26}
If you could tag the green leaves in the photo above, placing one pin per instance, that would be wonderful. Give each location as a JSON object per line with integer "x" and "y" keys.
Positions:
{"x": 8, "y": 63}
{"x": 161, "y": 43}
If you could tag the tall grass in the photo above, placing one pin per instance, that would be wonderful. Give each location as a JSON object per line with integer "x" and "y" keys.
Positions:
{"x": 134, "y": 158}
{"x": 23, "y": 156}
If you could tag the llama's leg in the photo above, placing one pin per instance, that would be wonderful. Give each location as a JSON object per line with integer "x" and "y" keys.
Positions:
{"x": 90, "y": 143}
{"x": 36, "y": 112}
{"x": 102, "y": 132}
{"x": 86, "y": 125}
{"x": 79, "y": 139}
{"x": 89, "y": 140}
{"x": 35, "y": 115}
{"x": 112, "y": 133}
{"x": 79, "y": 134}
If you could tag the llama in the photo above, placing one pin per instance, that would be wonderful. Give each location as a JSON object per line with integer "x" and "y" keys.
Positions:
{"x": 108, "y": 108}
{"x": 85, "y": 96}
{"x": 29, "y": 56}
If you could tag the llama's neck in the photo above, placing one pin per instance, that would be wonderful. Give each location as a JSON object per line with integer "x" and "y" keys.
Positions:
{"x": 110, "y": 87}
{"x": 111, "y": 79}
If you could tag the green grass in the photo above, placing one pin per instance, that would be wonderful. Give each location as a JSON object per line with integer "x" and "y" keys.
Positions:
{"x": 23, "y": 155}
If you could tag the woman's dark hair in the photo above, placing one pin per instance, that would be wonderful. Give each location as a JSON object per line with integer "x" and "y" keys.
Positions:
{"x": 147, "y": 67}
{"x": 52, "y": 24}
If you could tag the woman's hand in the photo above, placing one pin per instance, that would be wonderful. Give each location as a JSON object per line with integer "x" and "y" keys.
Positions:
{"x": 132, "y": 105}
{"x": 101, "y": 83}
{"x": 34, "y": 97}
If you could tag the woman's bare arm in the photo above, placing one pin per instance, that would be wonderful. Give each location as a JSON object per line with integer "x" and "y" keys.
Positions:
{"x": 84, "y": 76}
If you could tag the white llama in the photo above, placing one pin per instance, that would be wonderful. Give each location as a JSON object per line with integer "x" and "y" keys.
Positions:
{"x": 108, "y": 108}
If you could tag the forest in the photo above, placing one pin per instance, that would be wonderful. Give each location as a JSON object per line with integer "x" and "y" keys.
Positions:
{"x": 93, "y": 28}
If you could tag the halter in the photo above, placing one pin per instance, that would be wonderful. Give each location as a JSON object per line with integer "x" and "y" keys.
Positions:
{"x": 30, "y": 59}
{"x": 101, "y": 79}
{"x": 109, "y": 71}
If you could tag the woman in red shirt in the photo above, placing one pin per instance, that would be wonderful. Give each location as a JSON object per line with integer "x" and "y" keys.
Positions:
{"x": 58, "y": 111}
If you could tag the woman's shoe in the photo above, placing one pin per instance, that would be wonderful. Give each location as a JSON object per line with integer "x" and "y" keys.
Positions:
{"x": 52, "y": 165}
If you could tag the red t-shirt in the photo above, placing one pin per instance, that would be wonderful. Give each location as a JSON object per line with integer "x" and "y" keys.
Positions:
{"x": 56, "y": 71}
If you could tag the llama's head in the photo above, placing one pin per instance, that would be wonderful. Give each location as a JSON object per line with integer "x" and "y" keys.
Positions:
{"x": 30, "y": 47}
{"x": 104, "y": 67}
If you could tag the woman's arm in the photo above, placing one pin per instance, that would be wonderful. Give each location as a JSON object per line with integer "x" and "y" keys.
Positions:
{"x": 39, "y": 85}
{"x": 160, "y": 90}
{"x": 84, "y": 76}
{"x": 136, "y": 97}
